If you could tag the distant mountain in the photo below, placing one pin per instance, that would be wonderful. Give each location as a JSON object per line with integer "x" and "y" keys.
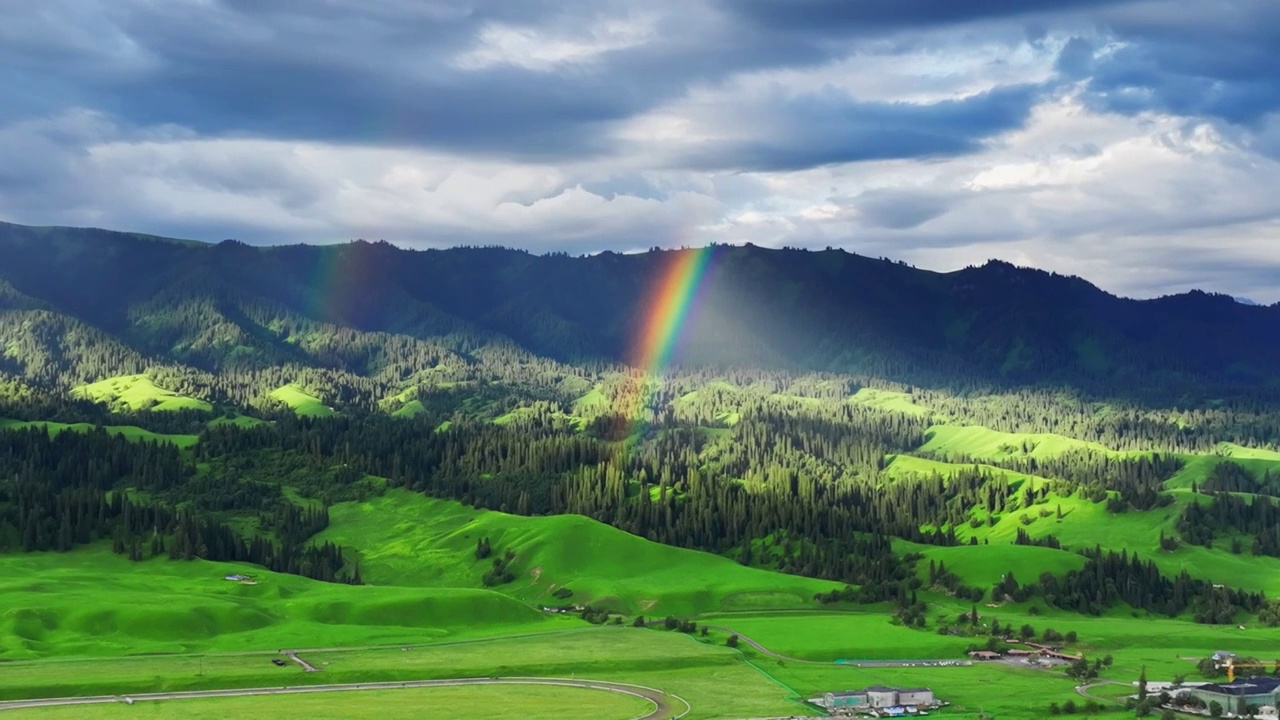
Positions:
{"x": 1246, "y": 301}
{"x": 77, "y": 305}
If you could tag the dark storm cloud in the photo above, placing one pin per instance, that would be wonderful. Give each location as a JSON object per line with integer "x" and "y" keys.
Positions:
{"x": 1200, "y": 59}
{"x": 376, "y": 73}
{"x": 828, "y": 128}
{"x": 900, "y": 210}
{"x": 827, "y": 16}
{"x": 384, "y": 71}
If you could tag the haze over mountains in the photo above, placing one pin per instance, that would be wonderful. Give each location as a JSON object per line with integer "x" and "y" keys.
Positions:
{"x": 227, "y": 306}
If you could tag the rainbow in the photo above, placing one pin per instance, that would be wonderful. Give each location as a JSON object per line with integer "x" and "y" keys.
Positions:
{"x": 663, "y": 315}
{"x": 340, "y": 277}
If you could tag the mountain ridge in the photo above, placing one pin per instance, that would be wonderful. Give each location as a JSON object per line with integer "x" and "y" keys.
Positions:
{"x": 230, "y": 304}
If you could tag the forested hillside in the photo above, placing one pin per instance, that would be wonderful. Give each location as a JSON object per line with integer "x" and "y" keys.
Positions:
{"x": 827, "y": 415}
{"x": 372, "y": 310}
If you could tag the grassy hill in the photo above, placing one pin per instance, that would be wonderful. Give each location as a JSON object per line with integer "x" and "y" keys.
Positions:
{"x": 411, "y": 540}
{"x": 137, "y": 392}
{"x": 129, "y": 432}
{"x": 93, "y": 602}
{"x": 301, "y": 402}
{"x": 889, "y": 400}
{"x": 981, "y": 443}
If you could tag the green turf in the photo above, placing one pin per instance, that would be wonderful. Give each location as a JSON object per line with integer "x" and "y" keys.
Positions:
{"x": 408, "y": 539}
{"x": 897, "y": 466}
{"x": 1198, "y": 467}
{"x": 841, "y": 635}
{"x": 129, "y": 432}
{"x": 593, "y": 403}
{"x": 707, "y": 674}
{"x": 1086, "y": 524}
{"x": 137, "y": 392}
{"x": 92, "y": 602}
{"x": 301, "y": 402}
{"x": 240, "y": 421}
{"x": 889, "y": 400}
{"x": 413, "y": 408}
{"x": 982, "y": 443}
{"x": 984, "y": 565}
{"x": 514, "y": 415}
{"x": 530, "y": 702}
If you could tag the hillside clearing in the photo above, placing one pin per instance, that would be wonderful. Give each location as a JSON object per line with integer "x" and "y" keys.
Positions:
{"x": 137, "y": 392}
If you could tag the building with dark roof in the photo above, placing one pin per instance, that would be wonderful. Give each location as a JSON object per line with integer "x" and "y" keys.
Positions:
{"x": 878, "y": 697}
{"x": 1254, "y": 691}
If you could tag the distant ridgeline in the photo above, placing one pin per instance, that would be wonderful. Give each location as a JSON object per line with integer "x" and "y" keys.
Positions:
{"x": 88, "y": 304}
{"x": 822, "y": 413}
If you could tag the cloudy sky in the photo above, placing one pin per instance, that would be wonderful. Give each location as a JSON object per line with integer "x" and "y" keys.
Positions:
{"x": 1135, "y": 143}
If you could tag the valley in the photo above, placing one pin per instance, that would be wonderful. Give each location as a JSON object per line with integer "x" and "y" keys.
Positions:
{"x": 198, "y": 477}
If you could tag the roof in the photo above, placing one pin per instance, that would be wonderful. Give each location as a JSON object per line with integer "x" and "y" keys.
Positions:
{"x": 1244, "y": 686}
{"x": 878, "y": 689}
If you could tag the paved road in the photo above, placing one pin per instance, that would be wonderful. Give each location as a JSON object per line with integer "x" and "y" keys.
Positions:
{"x": 665, "y": 706}
{"x": 1084, "y": 691}
{"x": 305, "y": 665}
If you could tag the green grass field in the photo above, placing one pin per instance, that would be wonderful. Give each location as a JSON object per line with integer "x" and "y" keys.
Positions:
{"x": 710, "y": 676}
{"x": 1257, "y": 462}
{"x": 830, "y": 636}
{"x": 413, "y": 408}
{"x": 241, "y": 421}
{"x": 408, "y": 539}
{"x": 129, "y": 432}
{"x": 982, "y": 443}
{"x": 301, "y": 402}
{"x": 889, "y": 400}
{"x": 898, "y": 466}
{"x": 137, "y": 392}
{"x": 93, "y": 602}
{"x": 171, "y": 625}
{"x": 445, "y": 703}
{"x": 984, "y": 565}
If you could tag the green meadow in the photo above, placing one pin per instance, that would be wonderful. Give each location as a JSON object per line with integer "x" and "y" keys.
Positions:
{"x": 981, "y": 443}
{"x": 91, "y": 622}
{"x": 129, "y": 432}
{"x": 137, "y": 392}
{"x": 531, "y": 702}
{"x": 92, "y": 602}
{"x": 408, "y": 539}
{"x": 889, "y": 400}
{"x": 300, "y": 401}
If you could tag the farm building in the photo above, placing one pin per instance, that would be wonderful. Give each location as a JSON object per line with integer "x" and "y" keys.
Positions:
{"x": 1254, "y": 691}
{"x": 984, "y": 655}
{"x": 877, "y": 697}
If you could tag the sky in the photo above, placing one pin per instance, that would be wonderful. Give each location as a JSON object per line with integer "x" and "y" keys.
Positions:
{"x": 1133, "y": 142}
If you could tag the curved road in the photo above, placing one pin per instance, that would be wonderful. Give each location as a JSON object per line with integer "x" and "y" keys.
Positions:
{"x": 1084, "y": 691}
{"x": 665, "y": 705}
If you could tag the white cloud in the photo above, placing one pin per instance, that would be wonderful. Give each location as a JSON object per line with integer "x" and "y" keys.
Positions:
{"x": 1141, "y": 205}
{"x": 315, "y": 191}
{"x": 543, "y": 49}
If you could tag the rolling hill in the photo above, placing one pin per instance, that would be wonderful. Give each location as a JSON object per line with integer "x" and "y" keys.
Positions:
{"x": 405, "y": 539}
